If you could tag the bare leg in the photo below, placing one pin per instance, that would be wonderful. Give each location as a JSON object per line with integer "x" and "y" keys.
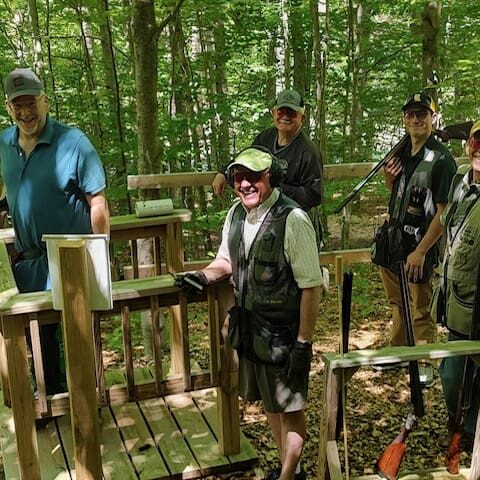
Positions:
{"x": 289, "y": 431}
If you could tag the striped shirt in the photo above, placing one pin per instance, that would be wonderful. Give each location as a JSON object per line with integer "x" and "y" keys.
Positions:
{"x": 300, "y": 245}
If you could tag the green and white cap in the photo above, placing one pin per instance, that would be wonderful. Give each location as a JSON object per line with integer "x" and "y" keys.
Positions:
{"x": 254, "y": 159}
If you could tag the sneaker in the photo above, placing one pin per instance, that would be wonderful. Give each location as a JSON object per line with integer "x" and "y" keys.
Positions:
{"x": 427, "y": 375}
{"x": 380, "y": 367}
{"x": 275, "y": 474}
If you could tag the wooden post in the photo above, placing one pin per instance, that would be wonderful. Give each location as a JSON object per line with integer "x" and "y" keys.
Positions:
{"x": 227, "y": 393}
{"x": 79, "y": 353}
{"x": 4, "y": 371}
{"x": 174, "y": 260}
{"x": 21, "y": 396}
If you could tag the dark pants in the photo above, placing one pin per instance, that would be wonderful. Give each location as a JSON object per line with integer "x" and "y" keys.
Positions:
{"x": 451, "y": 373}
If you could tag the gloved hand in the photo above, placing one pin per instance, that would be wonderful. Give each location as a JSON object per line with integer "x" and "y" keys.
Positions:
{"x": 191, "y": 282}
{"x": 299, "y": 361}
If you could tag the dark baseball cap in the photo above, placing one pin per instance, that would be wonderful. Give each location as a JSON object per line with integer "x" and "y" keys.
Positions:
{"x": 22, "y": 81}
{"x": 420, "y": 99}
{"x": 290, "y": 99}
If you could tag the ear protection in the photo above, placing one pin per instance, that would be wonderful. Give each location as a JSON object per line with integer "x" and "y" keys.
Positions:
{"x": 278, "y": 168}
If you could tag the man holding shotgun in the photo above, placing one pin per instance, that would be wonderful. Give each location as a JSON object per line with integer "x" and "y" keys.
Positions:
{"x": 419, "y": 179}
{"x": 459, "y": 292}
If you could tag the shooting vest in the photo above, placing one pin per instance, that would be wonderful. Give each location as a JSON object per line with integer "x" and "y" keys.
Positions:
{"x": 411, "y": 202}
{"x": 462, "y": 252}
{"x": 264, "y": 280}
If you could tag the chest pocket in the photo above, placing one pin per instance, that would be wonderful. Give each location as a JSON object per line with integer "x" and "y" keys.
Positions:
{"x": 466, "y": 252}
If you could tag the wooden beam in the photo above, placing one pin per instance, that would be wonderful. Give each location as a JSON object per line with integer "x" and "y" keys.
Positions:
{"x": 21, "y": 397}
{"x": 79, "y": 352}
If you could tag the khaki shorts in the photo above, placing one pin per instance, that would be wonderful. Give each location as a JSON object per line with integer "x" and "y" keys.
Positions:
{"x": 269, "y": 383}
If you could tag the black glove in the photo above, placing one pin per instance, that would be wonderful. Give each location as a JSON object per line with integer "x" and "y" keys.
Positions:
{"x": 191, "y": 282}
{"x": 300, "y": 359}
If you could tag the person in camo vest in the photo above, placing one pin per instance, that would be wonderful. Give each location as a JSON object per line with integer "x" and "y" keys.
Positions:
{"x": 419, "y": 180}
{"x": 458, "y": 281}
{"x": 269, "y": 250}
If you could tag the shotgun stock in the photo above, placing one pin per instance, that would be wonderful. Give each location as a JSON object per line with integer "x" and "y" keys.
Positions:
{"x": 346, "y": 310}
{"x": 388, "y": 465}
{"x": 452, "y": 459}
{"x": 392, "y": 153}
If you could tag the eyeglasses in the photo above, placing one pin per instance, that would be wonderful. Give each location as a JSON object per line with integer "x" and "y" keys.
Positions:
{"x": 474, "y": 142}
{"x": 30, "y": 105}
{"x": 420, "y": 114}
{"x": 289, "y": 112}
{"x": 249, "y": 176}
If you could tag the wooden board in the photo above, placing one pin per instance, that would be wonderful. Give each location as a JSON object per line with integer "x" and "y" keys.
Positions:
{"x": 139, "y": 443}
{"x": 125, "y": 222}
{"x": 366, "y": 357}
{"x": 115, "y": 460}
{"x": 8, "y": 287}
{"x": 196, "y": 430}
{"x": 169, "y": 439}
{"x": 206, "y": 401}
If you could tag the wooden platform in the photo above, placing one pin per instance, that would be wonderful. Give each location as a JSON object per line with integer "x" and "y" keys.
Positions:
{"x": 170, "y": 437}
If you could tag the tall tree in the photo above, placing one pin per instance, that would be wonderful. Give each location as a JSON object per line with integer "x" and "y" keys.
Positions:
{"x": 430, "y": 58}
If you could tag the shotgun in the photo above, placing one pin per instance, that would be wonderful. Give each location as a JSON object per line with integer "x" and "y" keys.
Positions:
{"x": 392, "y": 153}
{"x": 454, "y": 450}
{"x": 346, "y": 310}
{"x": 389, "y": 463}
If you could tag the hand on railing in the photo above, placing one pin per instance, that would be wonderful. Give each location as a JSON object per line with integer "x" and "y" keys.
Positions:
{"x": 191, "y": 282}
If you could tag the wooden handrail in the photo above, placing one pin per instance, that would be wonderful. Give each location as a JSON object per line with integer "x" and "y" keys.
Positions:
{"x": 203, "y": 179}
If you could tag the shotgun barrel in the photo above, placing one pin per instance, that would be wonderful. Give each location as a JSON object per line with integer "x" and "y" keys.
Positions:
{"x": 452, "y": 459}
{"x": 392, "y": 153}
{"x": 388, "y": 465}
{"x": 347, "y": 286}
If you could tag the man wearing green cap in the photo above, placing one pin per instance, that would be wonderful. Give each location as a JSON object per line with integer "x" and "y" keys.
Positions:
{"x": 419, "y": 180}
{"x": 286, "y": 140}
{"x": 55, "y": 184}
{"x": 269, "y": 250}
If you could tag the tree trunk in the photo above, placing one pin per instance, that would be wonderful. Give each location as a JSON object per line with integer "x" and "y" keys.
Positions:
{"x": 92, "y": 99}
{"x": 145, "y": 38}
{"x": 430, "y": 56}
{"x": 113, "y": 92}
{"x": 38, "y": 64}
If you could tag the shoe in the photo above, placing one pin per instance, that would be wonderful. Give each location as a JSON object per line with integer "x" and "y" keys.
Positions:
{"x": 427, "y": 375}
{"x": 380, "y": 367}
{"x": 275, "y": 474}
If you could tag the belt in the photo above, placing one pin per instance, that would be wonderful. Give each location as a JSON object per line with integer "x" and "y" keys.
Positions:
{"x": 30, "y": 254}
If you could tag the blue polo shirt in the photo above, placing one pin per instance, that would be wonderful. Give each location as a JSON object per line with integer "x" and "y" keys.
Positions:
{"x": 46, "y": 191}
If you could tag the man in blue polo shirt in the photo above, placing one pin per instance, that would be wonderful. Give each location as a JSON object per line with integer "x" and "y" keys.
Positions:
{"x": 55, "y": 184}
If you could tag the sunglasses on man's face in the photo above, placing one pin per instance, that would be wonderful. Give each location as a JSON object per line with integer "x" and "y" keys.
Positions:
{"x": 419, "y": 114}
{"x": 249, "y": 176}
{"x": 474, "y": 142}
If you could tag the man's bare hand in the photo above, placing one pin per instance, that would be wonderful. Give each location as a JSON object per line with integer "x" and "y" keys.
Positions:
{"x": 414, "y": 266}
{"x": 392, "y": 169}
{"x": 219, "y": 184}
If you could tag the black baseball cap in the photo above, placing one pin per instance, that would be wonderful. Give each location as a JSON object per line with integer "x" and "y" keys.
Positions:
{"x": 421, "y": 99}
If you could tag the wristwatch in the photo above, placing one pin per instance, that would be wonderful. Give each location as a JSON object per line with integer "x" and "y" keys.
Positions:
{"x": 304, "y": 344}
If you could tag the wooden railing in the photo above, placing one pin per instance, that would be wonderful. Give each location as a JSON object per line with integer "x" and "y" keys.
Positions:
{"x": 35, "y": 309}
